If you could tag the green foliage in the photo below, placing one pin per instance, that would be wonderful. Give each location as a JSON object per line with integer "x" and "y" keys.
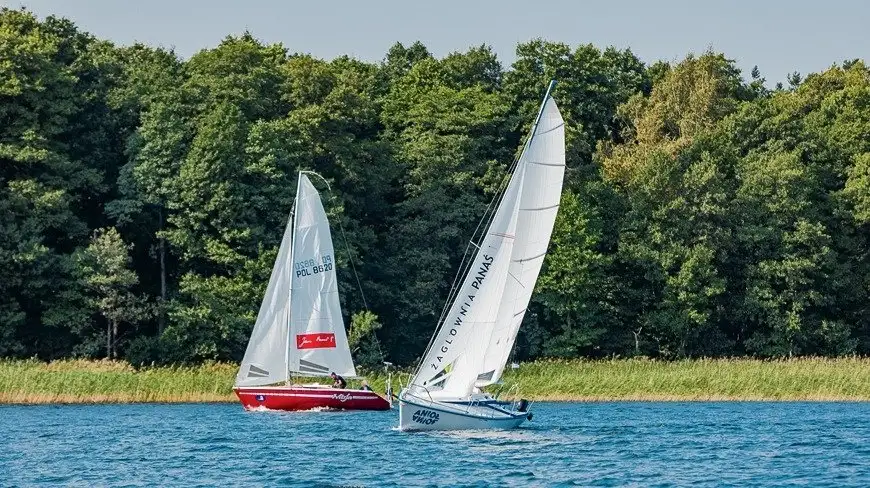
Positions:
{"x": 104, "y": 268}
{"x": 857, "y": 188}
{"x": 58, "y": 143}
{"x": 363, "y": 341}
{"x": 578, "y": 289}
{"x": 703, "y": 213}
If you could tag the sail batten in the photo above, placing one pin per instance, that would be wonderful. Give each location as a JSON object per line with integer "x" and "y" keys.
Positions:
{"x": 540, "y": 133}
{"x": 539, "y": 209}
{"x": 529, "y": 258}
{"x": 547, "y": 164}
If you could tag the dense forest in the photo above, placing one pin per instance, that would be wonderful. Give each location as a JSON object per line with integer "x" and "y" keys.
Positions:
{"x": 143, "y": 196}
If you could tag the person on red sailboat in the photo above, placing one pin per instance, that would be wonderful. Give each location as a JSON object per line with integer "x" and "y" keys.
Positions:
{"x": 337, "y": 381}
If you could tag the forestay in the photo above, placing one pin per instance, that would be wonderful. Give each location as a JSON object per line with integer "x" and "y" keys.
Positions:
{"x": 478, "y": 332}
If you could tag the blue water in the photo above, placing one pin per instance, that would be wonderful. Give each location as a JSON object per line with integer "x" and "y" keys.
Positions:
{"x": 599, "y": 444}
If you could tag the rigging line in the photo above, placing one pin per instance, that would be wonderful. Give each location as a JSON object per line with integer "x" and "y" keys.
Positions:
{"x": 489, "y": 213}
{"x": 346, "y": 245}
{"x": 479, "y": 232}
{"x": 468, "y": 257}
{"x": 487, "y": 218}
{"x": 352, "y": 267}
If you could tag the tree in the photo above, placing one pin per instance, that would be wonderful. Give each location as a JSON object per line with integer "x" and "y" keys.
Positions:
{"x": 591, "y": 85}
{"x": 673, "y": 174}
{"x": 147, "y": 100}
{"x": 448, "y": 139}
{"x": 580, "y": 293}
{"x": 799, "y": 243}
{"x": 104, "y": 267}
{"x": 702, "y": 213}
{"x": 57, "y": 145}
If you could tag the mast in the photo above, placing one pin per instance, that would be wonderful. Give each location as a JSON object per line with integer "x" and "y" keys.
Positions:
{"x": 290, "y": 292}
{"x": 319, "y": 343}
{"x": 550, "y": 88}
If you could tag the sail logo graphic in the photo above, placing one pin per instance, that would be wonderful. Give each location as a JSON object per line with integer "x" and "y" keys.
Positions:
{"x": 342, "y": 397}
{"x": 425, "y": 417}
{"x": 476, "y": 283}
{"x": 317, "y": 340}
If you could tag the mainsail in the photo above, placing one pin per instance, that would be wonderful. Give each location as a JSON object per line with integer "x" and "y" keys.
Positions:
{"x": 473, "y": 342}
{"x": 544, "y": 168}
{"x": 318, "y": 343}
{"x": 299, "y": 327}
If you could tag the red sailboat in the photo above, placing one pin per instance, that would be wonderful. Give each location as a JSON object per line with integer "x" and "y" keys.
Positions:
{"x": 299, "y": 329}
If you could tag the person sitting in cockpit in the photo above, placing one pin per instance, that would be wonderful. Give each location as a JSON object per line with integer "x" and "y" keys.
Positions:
{"x": 337, "y": 381}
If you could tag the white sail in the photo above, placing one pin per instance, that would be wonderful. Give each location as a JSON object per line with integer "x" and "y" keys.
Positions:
{"x": 483, "y": 320}
{"x": 544, "y": 162}
{"x": 265, "y": 360}
{"x": 318, "y": 342}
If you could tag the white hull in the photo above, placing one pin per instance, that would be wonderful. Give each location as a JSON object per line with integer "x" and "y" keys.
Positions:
{"x": 416, "y": 414}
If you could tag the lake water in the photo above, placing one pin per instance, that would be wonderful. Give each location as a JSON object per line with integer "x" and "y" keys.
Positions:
{"x": 567, "y": 444}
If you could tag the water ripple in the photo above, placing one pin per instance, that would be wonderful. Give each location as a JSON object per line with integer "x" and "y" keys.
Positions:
{"x": 597, "y": 444}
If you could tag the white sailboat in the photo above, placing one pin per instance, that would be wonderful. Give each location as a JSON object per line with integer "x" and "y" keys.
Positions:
{"x": 300, "y": 330}
{"x": 471, "y": 346}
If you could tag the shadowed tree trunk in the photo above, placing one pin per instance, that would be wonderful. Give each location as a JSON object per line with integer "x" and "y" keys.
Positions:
{"x": 161, "y": 316}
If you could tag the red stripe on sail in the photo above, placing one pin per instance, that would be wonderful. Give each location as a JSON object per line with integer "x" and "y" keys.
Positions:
{"x": 315, "y": 341}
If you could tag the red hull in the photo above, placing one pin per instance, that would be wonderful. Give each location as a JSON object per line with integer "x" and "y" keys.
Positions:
{"x": 307, "y": 398}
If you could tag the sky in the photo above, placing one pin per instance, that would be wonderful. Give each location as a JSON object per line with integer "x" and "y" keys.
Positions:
{"x": 779, "y": 36}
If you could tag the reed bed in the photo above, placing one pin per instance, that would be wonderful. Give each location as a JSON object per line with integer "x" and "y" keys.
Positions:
{"x": 812, "y": 379}
{"x": 81, "y": 381}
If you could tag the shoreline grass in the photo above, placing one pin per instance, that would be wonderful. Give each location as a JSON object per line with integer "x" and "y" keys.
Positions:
{"x": 804, "y": 379}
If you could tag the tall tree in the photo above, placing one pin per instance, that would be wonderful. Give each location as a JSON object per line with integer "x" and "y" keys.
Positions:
{"x": 674, "y": 178}
{"x": 58, "y": 145}
{"x": 105, "y": 269}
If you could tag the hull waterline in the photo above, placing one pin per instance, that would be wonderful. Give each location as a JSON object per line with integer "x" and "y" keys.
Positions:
{"x": 416, "y": 414}
{"x": 292, "y": 398}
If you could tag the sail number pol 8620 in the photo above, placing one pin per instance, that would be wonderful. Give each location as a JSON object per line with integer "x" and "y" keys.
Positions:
{"x": 313, "y": 266}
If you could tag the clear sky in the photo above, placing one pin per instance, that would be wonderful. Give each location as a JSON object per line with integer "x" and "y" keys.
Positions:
{"x": 780, "y": 36}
